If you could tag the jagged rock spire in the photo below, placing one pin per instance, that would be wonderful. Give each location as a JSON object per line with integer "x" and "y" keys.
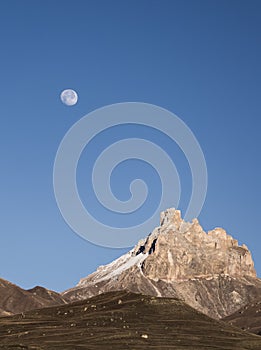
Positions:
{"x": 182, "y": 250}
{"x": 208, "y": 270}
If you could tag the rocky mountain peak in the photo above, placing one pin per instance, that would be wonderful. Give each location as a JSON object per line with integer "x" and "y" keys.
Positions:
{"x": 208, "y": 270}
{"x": 181, "y": 250}
{"x": 171, "y": 217}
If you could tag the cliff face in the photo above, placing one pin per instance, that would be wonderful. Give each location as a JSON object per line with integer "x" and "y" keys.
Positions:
{"x": 209, "y": 271}
{"x": 179, "y": 250}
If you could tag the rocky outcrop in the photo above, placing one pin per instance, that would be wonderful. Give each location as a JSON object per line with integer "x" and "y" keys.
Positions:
{"x": 14, "y": 299}
{"x": 179, "y": 250}
{"x": 209, "y": 271}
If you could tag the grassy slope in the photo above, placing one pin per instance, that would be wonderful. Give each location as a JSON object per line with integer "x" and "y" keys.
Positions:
{"x": 121, "y": 320}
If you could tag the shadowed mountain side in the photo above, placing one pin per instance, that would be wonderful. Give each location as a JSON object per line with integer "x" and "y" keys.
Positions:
{"x": 122, "y": 320}
{"x": 14, "y": 299}
{"x": 248, "y": 317}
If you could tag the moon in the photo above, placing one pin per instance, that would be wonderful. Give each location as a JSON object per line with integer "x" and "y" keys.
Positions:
{"x": 69, "y": 97}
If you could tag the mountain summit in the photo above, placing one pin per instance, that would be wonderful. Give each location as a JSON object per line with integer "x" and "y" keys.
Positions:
{"x": 209, "y": 271}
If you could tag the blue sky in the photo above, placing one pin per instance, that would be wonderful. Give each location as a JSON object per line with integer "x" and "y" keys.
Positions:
{"x": 198, "y": 59}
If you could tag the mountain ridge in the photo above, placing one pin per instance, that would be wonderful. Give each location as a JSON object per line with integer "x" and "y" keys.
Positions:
{"x": 14, "y": 299}
{"x": 209, "y": 271}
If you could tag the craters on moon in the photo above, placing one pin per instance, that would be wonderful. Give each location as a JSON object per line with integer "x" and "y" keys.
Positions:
{"x": 69, "y": 97}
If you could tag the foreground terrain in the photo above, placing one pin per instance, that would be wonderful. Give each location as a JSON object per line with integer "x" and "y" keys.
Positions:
{"x": 121, "y": 320}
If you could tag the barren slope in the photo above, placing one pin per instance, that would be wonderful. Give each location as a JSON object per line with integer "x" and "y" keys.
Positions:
{"x": 248, "y": 317}
{"x": 14, "y": 299}
{"x": 121, "y": 320}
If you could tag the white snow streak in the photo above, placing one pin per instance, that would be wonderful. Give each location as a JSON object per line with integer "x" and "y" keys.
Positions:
{"x": 115, "y": 268}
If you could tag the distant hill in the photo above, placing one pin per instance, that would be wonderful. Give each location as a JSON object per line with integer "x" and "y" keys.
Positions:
{"x": 14, "y": 299}
{"x": 120, "y": 321}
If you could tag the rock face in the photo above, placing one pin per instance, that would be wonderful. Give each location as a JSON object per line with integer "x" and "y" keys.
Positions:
{"x": 179, "y": 250}
{"x": 14, "y": 299}
{"x": 209, "y": 271}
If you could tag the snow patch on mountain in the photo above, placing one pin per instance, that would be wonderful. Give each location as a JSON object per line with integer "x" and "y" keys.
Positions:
{"x": 115, "y": 268}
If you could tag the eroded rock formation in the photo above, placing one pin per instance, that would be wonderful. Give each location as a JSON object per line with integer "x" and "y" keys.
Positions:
{"x": 209, "y": 271}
